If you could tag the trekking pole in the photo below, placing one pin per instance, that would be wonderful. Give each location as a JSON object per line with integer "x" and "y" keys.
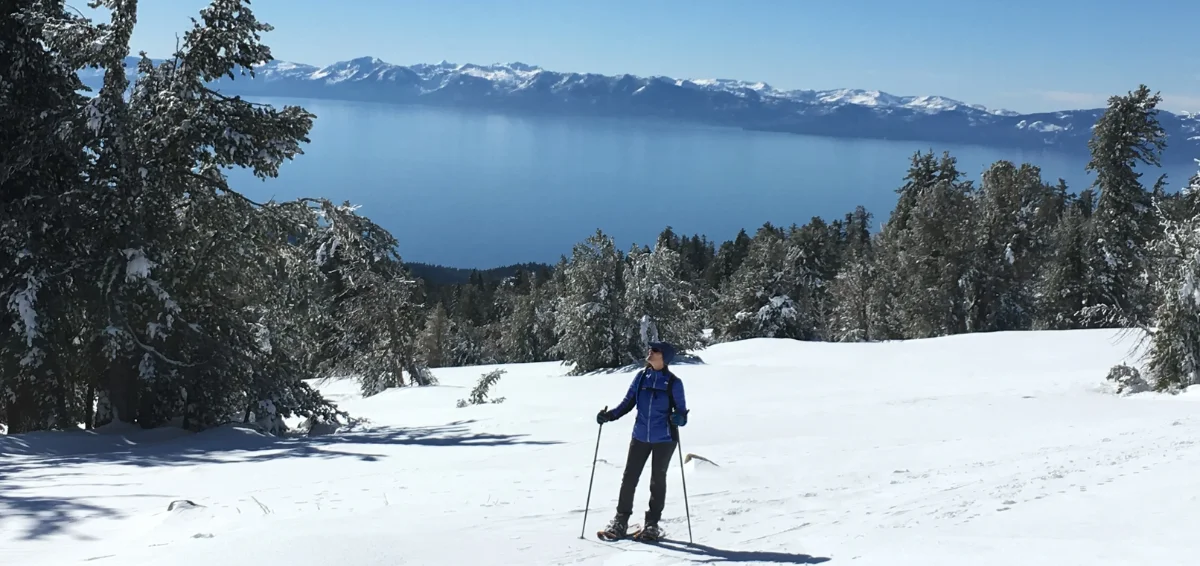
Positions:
{"x": 589, "y": 495}
{"x": 683, "y": 477}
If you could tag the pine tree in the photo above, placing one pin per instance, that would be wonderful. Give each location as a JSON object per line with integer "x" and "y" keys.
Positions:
{"x": 544, "y": 300}
{"x": 435, "y": 338}
{"x": 468, "y": 345}
{"x": 660, "y": 298}
{"x": 473, "y": 301}
{"x": 157, "y": 293}
{"x": 160, "y": 153}
{"x": 854, "y": 315}
{"x": 925, "y": 242}
{"x": 728, "y": 259}
{"x": 44, "y": 217}
{"x": 479, "y": 394}
{"x": 1066, "y": 285}
{"x": 377, "y": 317}
{"x": 592, "y": 329}
{"x": 525, "y": 331}
{"x": 1006, "y": 249}
{"x": 698, "y": 254}
{"x": 517, "y": 328}
{"x": 1173, "y": 356}
{"x": 1123, "y": 226}
{"x": 757, "y": 301}
{"x": 1183, "y": 205}
{"x": 815, "y": 255}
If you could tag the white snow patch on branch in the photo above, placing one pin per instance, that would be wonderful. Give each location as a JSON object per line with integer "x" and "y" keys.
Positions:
{"x": 138, "y": 266}
{"x": 22, "y": 304}
{"x": 95, "y": 116}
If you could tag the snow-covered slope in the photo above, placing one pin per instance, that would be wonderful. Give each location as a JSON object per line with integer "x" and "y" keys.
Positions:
{"x": 520, "y": 87}
{"x": 988, "y": 450}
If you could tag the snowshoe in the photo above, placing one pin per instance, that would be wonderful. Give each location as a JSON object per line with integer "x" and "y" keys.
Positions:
{"x": 649, "y": 533}
{"x": 617, "y": 529}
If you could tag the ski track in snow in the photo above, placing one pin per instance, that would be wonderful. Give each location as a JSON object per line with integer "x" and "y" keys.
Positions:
{"x": 981, "y": 449}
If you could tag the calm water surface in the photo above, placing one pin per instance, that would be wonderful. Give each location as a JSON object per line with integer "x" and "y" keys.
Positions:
{"x": 471, "y": 189}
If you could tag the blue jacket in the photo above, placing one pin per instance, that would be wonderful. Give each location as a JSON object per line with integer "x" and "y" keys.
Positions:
{"x": 649, "y": 393}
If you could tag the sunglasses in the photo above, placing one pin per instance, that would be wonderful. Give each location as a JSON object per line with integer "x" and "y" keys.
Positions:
{"x": 655, "y": 351}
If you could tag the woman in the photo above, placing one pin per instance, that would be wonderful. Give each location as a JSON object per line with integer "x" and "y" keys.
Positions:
{"x": 661, "y": 408}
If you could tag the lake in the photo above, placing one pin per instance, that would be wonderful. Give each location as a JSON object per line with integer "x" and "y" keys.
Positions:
{"x": 473, "y": 189}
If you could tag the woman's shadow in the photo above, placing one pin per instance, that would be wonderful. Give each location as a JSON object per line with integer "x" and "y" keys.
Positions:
{"x": 719, "y": 555}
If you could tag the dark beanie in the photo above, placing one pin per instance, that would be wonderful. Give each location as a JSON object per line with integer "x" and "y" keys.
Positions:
{"x": 668, "y": 351}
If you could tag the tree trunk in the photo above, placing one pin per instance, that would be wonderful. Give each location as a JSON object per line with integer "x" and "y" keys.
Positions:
{"x": 122, "y": 390}
{"x": 22, "y": 409}
{"x": 89, "y": 408}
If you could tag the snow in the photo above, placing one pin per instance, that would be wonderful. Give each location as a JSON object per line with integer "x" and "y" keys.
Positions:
{"x": 498, "y": 74}
{"x": 138, "y": 266}
{"x": 22, "y": 303}
{"x": 1041, "y": 126}
{"x": 95, "y": 116}
{"x": 984, "y": 449}
{"x": 517, "y": 76}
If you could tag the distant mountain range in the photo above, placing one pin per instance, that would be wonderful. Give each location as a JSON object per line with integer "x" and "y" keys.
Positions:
{"x": 522, "y": 88}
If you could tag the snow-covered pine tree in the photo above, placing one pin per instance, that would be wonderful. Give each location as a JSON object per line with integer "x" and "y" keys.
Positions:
{"x": 660, "y": 298}
{"x": 376, "y": 315}
{"x": 479, "y": 394}
{"x": 473, "y": 302}
{"x": 1124, "y": 226}
{"x": 593, "y": 331}
{"x": 545, "y": 337}
{"x": 469, "y": 344}
{"x": 157, "y": 188}
{"x": 1173, "y": 356}
{"x": 729, "y": 258}
{"x": 1006, "y": 249}
{"x": 815, "y": 256}
{"x": 697, "y": 254}
{"x": 926, "y": 247}
{"x": 163, "y": 151}
{"x": 1066, "y": 285}
{"x": 548, "y": 302}
{"x": 853, "y": 314}
{"x": 1180, "y": 206}
{"x": 44, "y": 218}
{"x": 757, "y": 301}
{"x": 435, "y": 337}
{"x": 473, "y": 337}
{"x": 525, "y": 333}
{"x": 515, "y": 338}
{"x": 170, "y": 296}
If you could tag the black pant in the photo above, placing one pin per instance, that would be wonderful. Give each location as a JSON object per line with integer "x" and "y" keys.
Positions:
{"x": 639, "y": 452}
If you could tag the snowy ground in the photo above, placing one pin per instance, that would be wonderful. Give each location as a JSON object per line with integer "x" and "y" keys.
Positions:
{"x": 971, "y": 450}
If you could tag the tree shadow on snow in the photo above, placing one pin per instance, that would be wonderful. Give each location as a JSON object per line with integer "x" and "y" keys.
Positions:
{"x": 237, "y": 444}
{"x": 680, "y": 360}
{"x": 707, "y": 554}
{"x": 48, "y": 459}
{"x": 451, "y": 434}
{"x": 45, "y": 516}
{"x": 687, "y": 360}
{"x": 683, "y": 360}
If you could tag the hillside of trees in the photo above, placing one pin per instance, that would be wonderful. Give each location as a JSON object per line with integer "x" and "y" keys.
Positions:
{"x": 138, "y": 287}
{"x": 1016, "y": 252}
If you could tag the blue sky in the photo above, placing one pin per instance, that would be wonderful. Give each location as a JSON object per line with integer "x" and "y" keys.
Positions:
{"x": 1018, "y": 54}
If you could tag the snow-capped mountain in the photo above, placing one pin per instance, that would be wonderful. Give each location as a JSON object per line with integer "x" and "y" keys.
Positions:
{"x": 520, "y": 87}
